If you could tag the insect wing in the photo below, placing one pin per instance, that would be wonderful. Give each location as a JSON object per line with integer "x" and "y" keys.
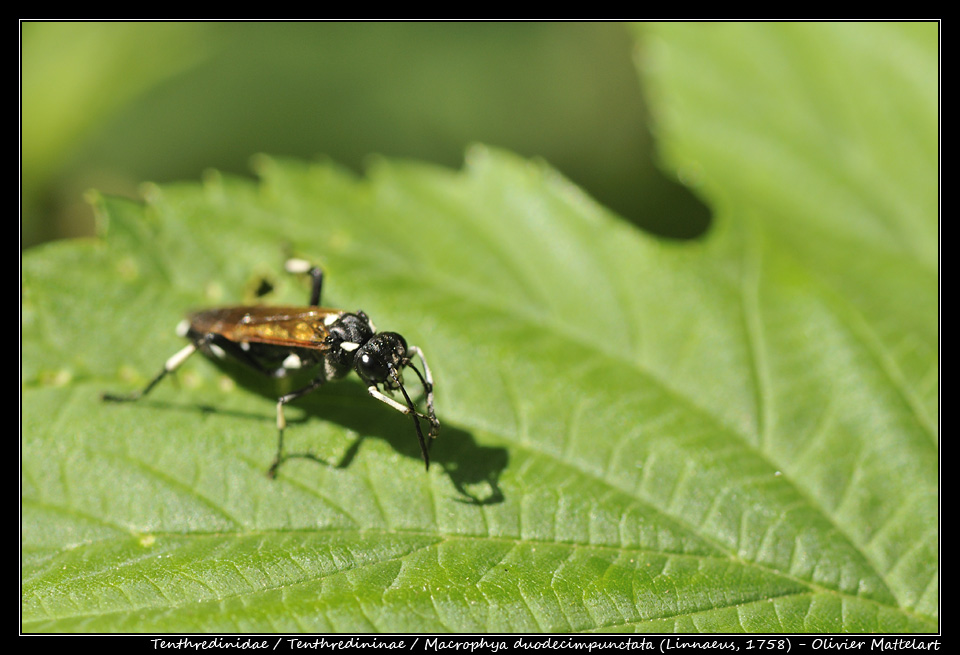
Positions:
{"x": 295, "y": 327}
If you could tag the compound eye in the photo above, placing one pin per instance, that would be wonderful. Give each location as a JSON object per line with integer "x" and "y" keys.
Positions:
{"x": 372, "y": 367}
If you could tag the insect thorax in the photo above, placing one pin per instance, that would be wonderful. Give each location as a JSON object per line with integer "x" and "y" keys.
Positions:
{"x": 346, "y": 335}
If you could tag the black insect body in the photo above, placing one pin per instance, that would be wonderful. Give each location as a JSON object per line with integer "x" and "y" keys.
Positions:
{"x": 275, "y": 340}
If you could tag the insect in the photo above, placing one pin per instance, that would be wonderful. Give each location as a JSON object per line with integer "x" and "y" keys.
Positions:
{"x": 277, "y": 340}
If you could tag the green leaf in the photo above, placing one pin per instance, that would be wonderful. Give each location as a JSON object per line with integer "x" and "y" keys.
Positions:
{"x": 737, "y": 434}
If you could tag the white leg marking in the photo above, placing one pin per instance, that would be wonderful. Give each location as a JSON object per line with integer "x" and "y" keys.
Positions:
{"x": 414, "y": 350}
{"x": 403, "y": 409}
{"x": 386, "y": 399}
{"x": 295, "y": 266}
{"x": 179, "y": 358}
{"x": 434, "y": 423}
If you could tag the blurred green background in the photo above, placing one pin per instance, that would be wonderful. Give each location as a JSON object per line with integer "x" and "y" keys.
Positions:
{"x": 111, "y": 105}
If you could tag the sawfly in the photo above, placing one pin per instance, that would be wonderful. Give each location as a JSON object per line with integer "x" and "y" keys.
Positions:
{"x": 277, "y": 340}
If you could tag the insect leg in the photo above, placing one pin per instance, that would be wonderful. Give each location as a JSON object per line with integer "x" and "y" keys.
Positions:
{"x": 169, "y": 366}
{"x": 316, "y": 275}
{"x": 427, "y": 380}
{"x": 403, "y": 409}
{"x": 282, "y": 424}
{"x": 407, "y": 409}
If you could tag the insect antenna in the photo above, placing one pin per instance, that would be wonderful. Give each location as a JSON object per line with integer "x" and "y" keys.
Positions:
{"x": 413, "y": 413}
{"x": 428, "y": 388}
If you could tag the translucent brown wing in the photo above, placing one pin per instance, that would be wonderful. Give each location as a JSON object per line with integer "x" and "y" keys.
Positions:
{"x": 297, "y": 327}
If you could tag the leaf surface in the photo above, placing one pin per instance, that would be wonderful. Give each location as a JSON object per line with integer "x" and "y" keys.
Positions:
{"x": 737, "y": 434}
